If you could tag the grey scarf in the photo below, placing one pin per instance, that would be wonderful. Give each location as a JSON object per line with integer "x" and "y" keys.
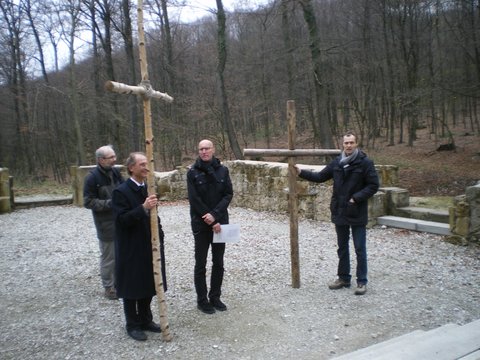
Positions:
{"x": 346, "y": 160}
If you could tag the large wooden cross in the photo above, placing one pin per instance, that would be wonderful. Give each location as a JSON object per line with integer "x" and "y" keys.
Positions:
{"x": 145, "y": 90}
{"x": 291, "y": 153}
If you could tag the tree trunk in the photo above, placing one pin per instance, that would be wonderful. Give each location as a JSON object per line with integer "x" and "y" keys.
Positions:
{"x": 321, "y": 95}
{"x": 222, "y": 59}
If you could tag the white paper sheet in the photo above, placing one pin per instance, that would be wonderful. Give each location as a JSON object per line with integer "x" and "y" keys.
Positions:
{"x": 230, "y": 234}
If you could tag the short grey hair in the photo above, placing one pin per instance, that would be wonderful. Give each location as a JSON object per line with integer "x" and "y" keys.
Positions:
{"x": 100, "y": 152}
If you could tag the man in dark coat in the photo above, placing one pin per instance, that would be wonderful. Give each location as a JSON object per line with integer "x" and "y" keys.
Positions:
{"x": 134, "y": 269}
{"x": 97, "y": 196}
{"x": 209, "y": 193}
{"x": 355, "y": 180}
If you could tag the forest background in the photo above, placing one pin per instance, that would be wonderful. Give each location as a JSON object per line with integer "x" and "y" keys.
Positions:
{"x": 403, "y": 74}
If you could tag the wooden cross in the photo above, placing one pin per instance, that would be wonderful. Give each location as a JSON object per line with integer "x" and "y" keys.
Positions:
{"x": 291, "y": 153}
{"x": 145, "y": 89}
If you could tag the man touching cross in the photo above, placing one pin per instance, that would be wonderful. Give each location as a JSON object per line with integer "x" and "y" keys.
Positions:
{"x": 355, "y": 180}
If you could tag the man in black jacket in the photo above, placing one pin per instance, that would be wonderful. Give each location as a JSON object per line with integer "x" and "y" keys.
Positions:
{"x": 97, "y": 196}
{"x": 134, "y": 267}
{"x": 209, "y": 192}
{"x": 355, "y": 180}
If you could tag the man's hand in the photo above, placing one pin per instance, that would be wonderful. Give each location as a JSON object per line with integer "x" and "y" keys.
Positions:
{"x": 208, "y": 219}
{"x": 150, "y": 202}
{"x": 217, "y": 228}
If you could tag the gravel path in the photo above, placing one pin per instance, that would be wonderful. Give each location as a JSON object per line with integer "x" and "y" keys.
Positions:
{"x": 52, "y": 306}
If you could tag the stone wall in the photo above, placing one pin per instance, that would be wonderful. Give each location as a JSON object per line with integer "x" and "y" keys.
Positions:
{"x": 465, "y": 217}
{"x": 263, "y": 186}
{"x": 6, "y": 197}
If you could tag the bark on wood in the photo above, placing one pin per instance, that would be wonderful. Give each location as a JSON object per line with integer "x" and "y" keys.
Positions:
{"x": 136, "y": 90}
{"x": 147, "y": 113}
{"x": 290, "y": 153}
{"x": 292, "y": 198}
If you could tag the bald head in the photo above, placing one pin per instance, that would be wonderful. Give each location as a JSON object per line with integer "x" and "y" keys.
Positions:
{"x": 206, "y": 150}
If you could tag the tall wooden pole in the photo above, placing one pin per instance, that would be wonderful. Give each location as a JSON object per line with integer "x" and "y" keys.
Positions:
{"x": 147, "y": 115}
{"x": 292, "y": 197}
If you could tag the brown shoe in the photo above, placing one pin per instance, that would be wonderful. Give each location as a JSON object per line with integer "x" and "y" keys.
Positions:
{"x": 111, "y": 293}
{"x": 338, "y": 284}
{"x": 361, "y": 289}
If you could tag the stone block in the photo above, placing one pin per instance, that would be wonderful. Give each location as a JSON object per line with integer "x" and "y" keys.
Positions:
{"x": 395, "y": 198}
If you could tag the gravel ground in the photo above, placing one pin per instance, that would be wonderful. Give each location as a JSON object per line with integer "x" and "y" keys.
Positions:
{"x": 52, "y": 306}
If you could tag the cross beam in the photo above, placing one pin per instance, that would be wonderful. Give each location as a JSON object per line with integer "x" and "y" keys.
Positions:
{"x": 291, "y": 153}
{"x": 147, "y": 92}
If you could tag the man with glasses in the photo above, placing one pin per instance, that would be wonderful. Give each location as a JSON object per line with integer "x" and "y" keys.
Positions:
{"x": 97, "y": 196}
{"x": 209, "y": 193}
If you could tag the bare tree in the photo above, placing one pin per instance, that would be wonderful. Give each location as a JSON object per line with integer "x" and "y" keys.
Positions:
{"x": 321, "y": 91}
{"x": 222, "y": 59}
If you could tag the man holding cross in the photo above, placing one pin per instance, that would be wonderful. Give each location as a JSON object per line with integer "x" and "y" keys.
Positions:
{"x": 355, "y": 180}
{"x": 133, "y": 248}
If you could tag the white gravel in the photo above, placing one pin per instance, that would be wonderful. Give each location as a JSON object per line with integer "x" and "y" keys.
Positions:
{"x": 52, "y": 306}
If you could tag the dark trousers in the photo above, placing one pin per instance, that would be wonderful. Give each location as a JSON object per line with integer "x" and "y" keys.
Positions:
{"x": 359, "y": 235}
{"x": 203, "y": 240}
{"x": 137, "y": 312}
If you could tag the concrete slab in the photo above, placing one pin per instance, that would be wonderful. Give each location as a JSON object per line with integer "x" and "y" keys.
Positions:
{"x": 447, "y": 342}
{"x": 421, "y": 213}
{"x": 415, "y": 224}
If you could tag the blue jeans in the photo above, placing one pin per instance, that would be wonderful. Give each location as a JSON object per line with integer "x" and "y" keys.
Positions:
{"x": 359, "y": 235}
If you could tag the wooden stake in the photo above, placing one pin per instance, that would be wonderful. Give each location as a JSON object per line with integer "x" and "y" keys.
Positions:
{"x": 291, "y": 153}
{"x": 292, "y": 197}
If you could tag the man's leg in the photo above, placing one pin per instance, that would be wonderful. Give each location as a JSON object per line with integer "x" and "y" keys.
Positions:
{"x": 343, "y": 235}
{"x": 202, "y": 243}
{"x": 218, "y": 251}
{"x": 107, "y": 268}
{"x": 359, "y": 234}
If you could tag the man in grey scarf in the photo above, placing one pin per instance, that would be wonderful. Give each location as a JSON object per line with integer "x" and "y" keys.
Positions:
{"x": 355, "y": 180}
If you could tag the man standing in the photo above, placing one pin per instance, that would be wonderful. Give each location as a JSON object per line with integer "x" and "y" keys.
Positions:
{"x": 209, "y": 193}
{"x": 134, "y": 269}
{"x": 355, "y": 180}
{"x": 97, "y": 196}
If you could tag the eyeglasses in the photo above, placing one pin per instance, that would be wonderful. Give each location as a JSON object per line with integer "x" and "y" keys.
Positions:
{"x": 110, "y": 157}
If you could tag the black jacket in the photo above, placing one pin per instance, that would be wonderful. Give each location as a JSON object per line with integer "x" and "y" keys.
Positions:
{"x": 133, "y": 246}
{"x": 209, "y": 191}
{"x": 358, "y": 181}
{"x": 97, "y": 196}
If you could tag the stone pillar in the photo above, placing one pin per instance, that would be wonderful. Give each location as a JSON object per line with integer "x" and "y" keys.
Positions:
{"x": 5, "y": 198}
{"x": 77, "y": 174}
{"x": 472, "y": 197}
{"x": 459, "y": 221}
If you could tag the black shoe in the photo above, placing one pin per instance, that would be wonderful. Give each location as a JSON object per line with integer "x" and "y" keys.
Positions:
{"x": 218, "y": 304}
{"x": 137, "y": 334}
{"x": 206, "y": 307}
{"x": 152, "y": 327}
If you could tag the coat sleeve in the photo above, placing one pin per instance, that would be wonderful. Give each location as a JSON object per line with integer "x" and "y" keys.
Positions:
{"x": 318, "y": 176}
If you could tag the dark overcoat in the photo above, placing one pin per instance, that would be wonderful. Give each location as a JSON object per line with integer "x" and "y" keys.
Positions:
{"x": 97, "y": 196}
{"x": 133, "y": 247}
{"x": 209, "y": 191}
{"x": 359, "y": 180}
